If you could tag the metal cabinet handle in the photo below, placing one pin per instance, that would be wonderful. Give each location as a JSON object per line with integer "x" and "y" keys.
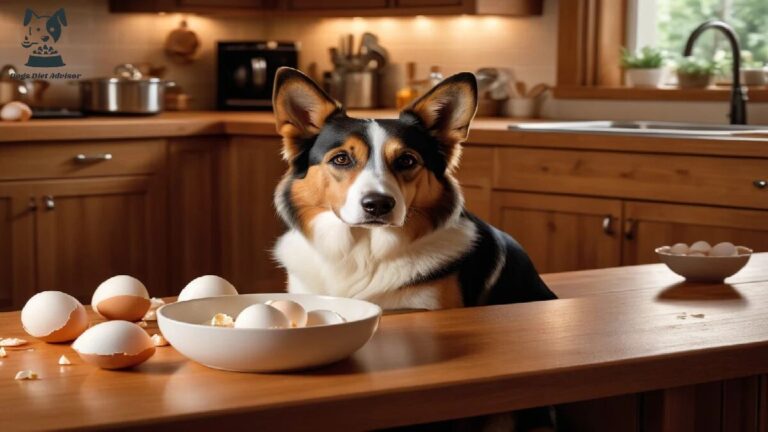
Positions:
{"x": 760, "y": 183}
{"x": 84, "y": 158}
{"x": 49, "y": 202}
{"x": 32, "y": 204}
{"x": 608, "y": 225}
{"x": 629, "y": 229}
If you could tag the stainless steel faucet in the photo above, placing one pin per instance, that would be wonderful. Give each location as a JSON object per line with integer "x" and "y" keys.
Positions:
{"x": 739, "y": 98}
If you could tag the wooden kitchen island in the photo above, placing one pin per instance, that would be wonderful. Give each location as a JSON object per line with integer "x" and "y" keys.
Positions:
{"x": 645, "y": 349}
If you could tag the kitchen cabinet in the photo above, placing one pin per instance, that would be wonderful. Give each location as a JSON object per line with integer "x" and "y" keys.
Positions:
{"x": 250, "y": 168}
{"x": 309, "y": 5}
{"x": 473, "y": 175}
{"x": 561, "y": 233}
{"x": 17, "y": 248}
{"x": 650, "y": 225}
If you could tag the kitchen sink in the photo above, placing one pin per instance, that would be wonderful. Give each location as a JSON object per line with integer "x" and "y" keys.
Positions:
{"x": 644, "y": 128}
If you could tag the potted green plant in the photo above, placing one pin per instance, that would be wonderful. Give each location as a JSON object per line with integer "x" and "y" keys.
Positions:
{"x": 693, "y": 72}
{"x": 644, "y": 68}
{"x": 752, "y": 72}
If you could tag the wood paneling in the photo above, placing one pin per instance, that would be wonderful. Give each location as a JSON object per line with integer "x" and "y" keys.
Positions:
{"x": 194, "y": 209}
{"x": 561, "y": 233}
{"x": 17, "y": 249}
{"x": 692, "y": 179}
{"x": 475, "y": 179}
{"x": 57, "y": 160}
{"x": 100, "y": 228}
{"x": 620, "y": 413}
{"x": 655, "y": 224}
{"x": 249, "y": 171}
{"x": 335, "y": 4}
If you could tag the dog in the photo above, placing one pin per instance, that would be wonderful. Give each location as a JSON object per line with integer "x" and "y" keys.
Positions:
{"x": 374, "y": 211}
{"x": 41, "y": 32}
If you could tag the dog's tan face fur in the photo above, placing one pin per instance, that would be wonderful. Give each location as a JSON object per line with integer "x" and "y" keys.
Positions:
{"x": 335, "y": 160}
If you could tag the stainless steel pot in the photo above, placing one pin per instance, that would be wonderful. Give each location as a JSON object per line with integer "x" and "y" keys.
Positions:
{"x": 123, "y": 95}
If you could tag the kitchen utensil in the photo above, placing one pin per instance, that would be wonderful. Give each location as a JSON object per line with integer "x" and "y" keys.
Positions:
{"x": 31, "y": 91}
{"x": 125, "y": 93}
{"x": 537, "y": 91}
{"x": 705, "y": 268}
{"x": 9, "y": 85}
{"x": 182, "y": 44}
{"x": 360, "y": 89}
{"x": 521, "y": 89}
{"x": 184, "y": 325}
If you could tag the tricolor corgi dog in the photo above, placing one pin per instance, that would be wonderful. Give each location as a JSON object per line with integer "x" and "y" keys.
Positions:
{"x": 374, "y": 210}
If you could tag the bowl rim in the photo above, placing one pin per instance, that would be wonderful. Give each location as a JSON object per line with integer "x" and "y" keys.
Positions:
{"x": 748, "y": 252}
{"x": 376, "y": 315}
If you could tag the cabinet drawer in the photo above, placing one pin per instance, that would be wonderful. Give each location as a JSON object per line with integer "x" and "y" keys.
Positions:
{"x": 687, "y": 179}
{"x": 79, "y": 159}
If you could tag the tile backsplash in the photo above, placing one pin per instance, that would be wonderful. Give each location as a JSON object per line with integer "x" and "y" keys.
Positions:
{"x": 95, "y": 41}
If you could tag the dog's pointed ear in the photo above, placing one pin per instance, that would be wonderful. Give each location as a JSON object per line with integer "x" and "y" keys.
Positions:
{"x": 28, "y": 15}
{"x": 446, "y": 111}
{"x": 301, "y": 108}
{"x": 61, "y": 16}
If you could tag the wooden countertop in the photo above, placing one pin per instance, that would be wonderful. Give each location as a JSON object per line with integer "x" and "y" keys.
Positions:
{"x": 485, "y": 131}
{"x": 614, "y": 331}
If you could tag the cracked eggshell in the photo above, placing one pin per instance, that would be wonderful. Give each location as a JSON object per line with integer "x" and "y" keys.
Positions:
{"x": 54, "y": 316}
{"x": 295, "y": 313}
{"x": 207, "y": 286}
{"x": 322, "y": 317}
{"x": 15, "y": 111}
{"x": 121, "y": 298}
{"x": 114, "y": 345}
{"x": 261, "y": 316}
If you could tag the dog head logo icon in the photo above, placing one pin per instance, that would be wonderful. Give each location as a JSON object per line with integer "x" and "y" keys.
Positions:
{"x": 41, "y": 32}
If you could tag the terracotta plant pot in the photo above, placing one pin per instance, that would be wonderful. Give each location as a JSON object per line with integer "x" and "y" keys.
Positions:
{"x": 643, "y": 77}
{"x": 693, "y": 81}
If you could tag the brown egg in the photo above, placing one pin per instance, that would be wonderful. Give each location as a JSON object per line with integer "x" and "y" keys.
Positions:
{"x": 54, "y": 316}
{"x": 121, "y": 298}
{"x": 114, "y": 345}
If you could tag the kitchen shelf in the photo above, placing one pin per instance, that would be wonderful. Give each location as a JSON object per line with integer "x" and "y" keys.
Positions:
{"x": 714, "y": 93}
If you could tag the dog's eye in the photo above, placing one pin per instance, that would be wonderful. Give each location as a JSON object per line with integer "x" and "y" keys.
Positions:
{"x": 405, "y": 162}
{"x": 341, "y": 159}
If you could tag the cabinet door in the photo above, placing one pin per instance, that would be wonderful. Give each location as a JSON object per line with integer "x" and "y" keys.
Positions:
{"x": 90, "y": 230}
{"x": 422, "y": 3}
{"x": 335, "y": 4}
{"x": 650, "y": 225}
{"x": 193, "y": 202}
{"x": 475, "y": 175}
{"x": 224, "y": 3}
{"x": 561, "y": 233}
{"x": 249, "y": 172}
{"x": 17, "y": 248}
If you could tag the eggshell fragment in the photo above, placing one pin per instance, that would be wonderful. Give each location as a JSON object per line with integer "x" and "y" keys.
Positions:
{"x": 723, "y": 249}
{"x": 12, "y": 342}
{"x": 323, "y": 317}
{"x": 64, "y": 361}
{"x": 207, "y": 286}
{"x": 114, "y": 345}
{"x": 700, "y": 246}
{"x": 261, "y": 316}
{"x": 54, "y": 316}
{"x": 26, "y": 375}
{"x": 679, "y": 249}
{"x": 222, "y": 320}
{"x": 15, "y": 111}
{"x": 121, "y": 297}
{"x": 158, "y": 340}
{"x": 3, "y": 353}
{"x": 295, "y": 313}
{"x": 154, "y": 304}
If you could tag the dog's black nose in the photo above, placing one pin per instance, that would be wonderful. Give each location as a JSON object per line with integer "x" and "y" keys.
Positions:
{"x": 377, "y": 204}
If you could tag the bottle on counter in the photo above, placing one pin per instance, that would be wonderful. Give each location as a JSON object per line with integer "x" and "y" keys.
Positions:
{"x": 408, "y": 93}
{"x": 435, "y": 76}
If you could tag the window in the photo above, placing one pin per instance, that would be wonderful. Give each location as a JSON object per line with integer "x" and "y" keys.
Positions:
{"x": 666, "y": 24}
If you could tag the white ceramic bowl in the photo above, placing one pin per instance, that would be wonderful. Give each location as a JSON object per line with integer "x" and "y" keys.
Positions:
{"x": 266, "y": 350}
{"x": 705, "y": 268}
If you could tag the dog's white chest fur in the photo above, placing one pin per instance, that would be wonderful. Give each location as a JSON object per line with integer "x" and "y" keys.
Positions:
{"x": 372, "y": 264}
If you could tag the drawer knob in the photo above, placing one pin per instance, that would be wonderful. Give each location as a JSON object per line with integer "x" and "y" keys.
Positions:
{"x": 608, "y": 225}
{"x": 84, "y": 158}
{"x": 760, "y": 184}
{"x": 49, "y": 202}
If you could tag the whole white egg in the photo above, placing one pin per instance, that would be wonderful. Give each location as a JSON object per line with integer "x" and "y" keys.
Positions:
{"x": 261, "y": 316}
{"x": 207, "y": 286}
{"x": 121, "y": 297}
{"x": 15, "y": 111}
{"x": 701, "y": 247}
{"x": 679, "y": 249}
{"x": 114, "y": 345}
{"x": 54, "y": 316}
{"x": 723, "y": 249}
{"x": 295, "y": 313}
{"x": 323, "y": 317}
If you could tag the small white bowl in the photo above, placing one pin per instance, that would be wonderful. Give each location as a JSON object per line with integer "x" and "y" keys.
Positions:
{"x": 266, "y": 350}
{"x": 705, "y": 268}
